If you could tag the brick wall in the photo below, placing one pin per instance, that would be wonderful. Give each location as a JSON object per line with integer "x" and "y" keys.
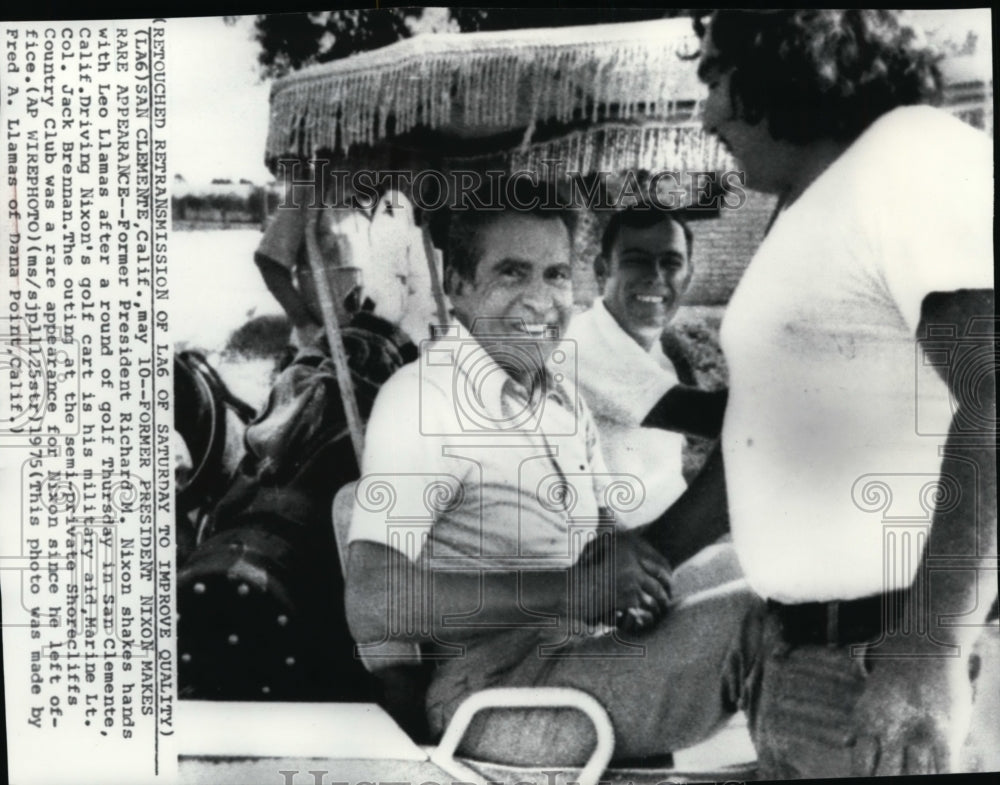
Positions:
{"x": 723, "y": 248}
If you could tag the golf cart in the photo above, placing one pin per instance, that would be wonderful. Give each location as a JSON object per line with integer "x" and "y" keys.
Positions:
{"x": 609, "y": 99}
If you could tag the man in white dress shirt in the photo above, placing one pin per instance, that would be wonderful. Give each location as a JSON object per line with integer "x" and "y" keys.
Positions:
{"x": 644, "y": 269}
{"x": 639, "y": 406}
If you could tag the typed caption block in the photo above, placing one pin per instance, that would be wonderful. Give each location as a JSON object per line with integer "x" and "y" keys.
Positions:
{"x": 86, "y": 551}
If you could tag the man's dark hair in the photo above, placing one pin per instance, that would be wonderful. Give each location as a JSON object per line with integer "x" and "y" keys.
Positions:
{"x": 460, "y": 225}
{"x": 820, "y": 74}
{"x": 641, "y": 216}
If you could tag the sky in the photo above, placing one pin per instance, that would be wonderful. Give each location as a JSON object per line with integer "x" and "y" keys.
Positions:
{"x": 219, "y": 105}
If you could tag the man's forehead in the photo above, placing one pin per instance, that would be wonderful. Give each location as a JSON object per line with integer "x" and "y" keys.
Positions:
{"x": 709, "y": 61}
{"x": 525, "y": 261}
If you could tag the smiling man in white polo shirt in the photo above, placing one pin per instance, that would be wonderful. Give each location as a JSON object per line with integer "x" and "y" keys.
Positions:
{"x": 482, "y": 478}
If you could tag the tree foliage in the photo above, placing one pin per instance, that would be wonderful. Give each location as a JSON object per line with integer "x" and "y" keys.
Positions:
{"x": 292, "y": 41}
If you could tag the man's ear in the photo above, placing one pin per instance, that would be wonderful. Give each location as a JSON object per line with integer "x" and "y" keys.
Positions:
{"x": 453, "y": 282}
{"x": 686, "y": 283}
{"x": 600, "y": 270}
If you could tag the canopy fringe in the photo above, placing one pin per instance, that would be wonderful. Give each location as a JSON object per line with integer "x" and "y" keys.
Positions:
{"x": 615, "y": 148}
{"x": 608, "y": 147}
{"x": 483, "y": 83}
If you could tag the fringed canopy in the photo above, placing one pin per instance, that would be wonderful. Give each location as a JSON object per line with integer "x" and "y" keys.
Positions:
{"x": 599, "y": 97}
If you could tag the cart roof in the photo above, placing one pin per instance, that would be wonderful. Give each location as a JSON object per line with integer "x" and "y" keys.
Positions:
{"x": 600, "y": 97}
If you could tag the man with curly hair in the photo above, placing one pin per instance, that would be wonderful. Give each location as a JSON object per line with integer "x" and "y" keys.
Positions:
{"x": 860, "y": 346}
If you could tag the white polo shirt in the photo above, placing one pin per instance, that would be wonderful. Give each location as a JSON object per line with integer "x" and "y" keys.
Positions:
{"x": 621, "y": 382}
{"x": 835, "y": 418}
{"x": 458, "y": 461}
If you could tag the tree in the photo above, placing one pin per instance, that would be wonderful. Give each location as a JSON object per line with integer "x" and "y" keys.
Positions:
{"x": 291, "y": 41}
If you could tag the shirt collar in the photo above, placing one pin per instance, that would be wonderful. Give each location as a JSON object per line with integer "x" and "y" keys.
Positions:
{"x": 624, "y": 345}
{"x": 615, "y": 333}
{"x": 491, "y": 380}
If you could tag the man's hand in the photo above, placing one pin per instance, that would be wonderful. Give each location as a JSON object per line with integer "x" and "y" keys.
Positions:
{"x": 912, "y": 717}
{"x": 632, "y": 591}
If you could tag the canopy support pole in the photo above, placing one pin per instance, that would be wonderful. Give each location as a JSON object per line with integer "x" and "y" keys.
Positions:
{"x": 338, "y": 354}
{"x": 436, "y": 286}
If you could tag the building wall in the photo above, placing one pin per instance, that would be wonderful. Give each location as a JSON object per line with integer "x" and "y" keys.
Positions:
{"x": 723, "y": 248}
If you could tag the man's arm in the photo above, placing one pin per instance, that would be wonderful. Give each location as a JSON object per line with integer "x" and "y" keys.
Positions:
{"x": 968, "y": 529}
{"x": 913, "y": 714}
{"x": 278, "y": 280}
{"x": 385, "y": 585}
{"x": 390, "y": 596}
{"x": 689, "y": 410}
{"x": 697, "y": 519}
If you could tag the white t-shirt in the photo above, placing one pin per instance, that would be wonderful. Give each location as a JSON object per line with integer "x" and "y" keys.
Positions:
{"x": 621, "y": 382}
{"x": 387, "y": 247}
{"x": 835, "y": 418}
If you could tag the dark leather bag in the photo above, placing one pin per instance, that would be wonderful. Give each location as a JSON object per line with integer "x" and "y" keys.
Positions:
{"x": 261, "y": 599}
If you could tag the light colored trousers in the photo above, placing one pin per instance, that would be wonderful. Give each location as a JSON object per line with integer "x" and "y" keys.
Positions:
{"x": 717, "y": 651}
{"x": 665, "y": 689}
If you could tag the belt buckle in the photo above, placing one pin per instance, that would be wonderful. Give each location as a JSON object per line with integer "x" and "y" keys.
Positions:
{"x": 833, "y": 623}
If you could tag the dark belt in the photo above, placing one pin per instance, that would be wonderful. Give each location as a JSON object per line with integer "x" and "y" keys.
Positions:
{"x": 835, "y": 623}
